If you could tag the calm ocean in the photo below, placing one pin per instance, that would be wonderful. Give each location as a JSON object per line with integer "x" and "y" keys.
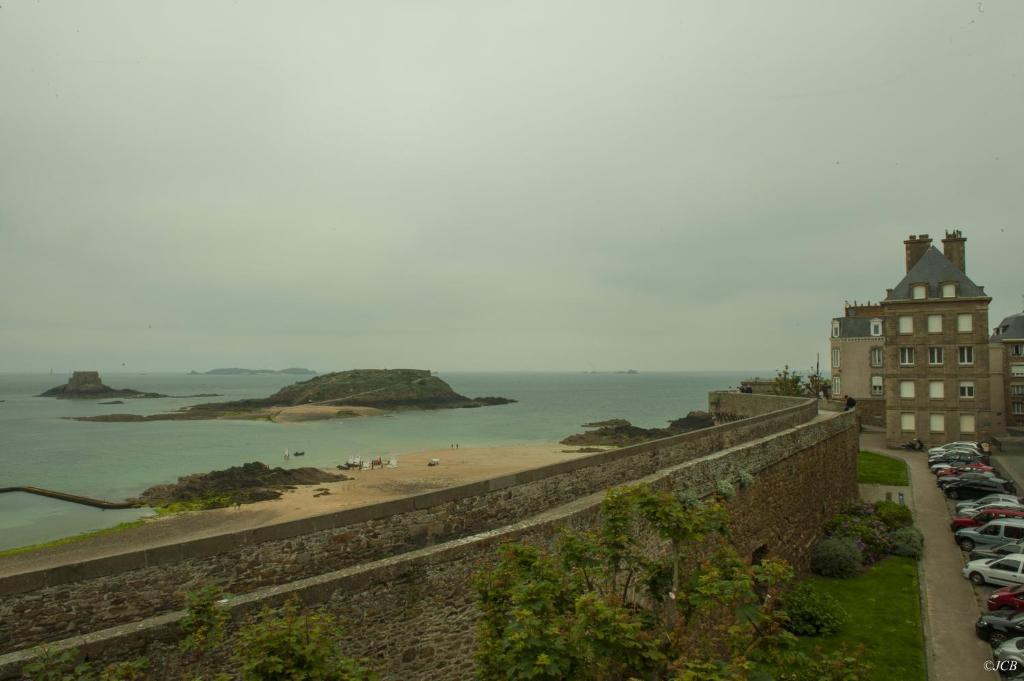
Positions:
{"x": 118, "y": 460}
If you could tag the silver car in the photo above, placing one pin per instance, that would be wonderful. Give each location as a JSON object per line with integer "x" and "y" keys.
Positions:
{"x": 1011, "y": 651}
{"x": 990, "y": 499}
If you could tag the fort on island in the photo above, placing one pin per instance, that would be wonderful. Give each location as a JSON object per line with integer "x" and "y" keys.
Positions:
{"x": 398, "y": 573}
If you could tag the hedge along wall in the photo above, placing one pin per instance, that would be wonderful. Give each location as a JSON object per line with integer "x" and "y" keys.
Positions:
{"x": 413, "y": 615}
{"x": 69, "y": 600}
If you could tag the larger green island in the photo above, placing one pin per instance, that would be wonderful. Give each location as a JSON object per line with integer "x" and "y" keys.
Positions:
{"x": 342, "y": 394}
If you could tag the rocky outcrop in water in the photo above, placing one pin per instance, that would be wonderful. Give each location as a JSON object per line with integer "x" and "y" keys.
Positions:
{"x": 86, "y": 385}
{"x": 620, "y": 432}
{"x": 243, "y": 484}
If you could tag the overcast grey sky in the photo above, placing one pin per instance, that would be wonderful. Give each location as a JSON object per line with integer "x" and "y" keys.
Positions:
{"x": 485, "y": 185}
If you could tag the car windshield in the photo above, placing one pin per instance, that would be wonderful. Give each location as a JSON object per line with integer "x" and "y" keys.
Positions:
{"x": 1017, "y": 617}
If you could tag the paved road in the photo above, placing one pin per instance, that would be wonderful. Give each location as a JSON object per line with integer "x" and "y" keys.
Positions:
{"x": 950, "y": 605}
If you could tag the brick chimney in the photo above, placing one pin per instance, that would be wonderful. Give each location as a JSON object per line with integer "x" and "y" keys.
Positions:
{"x": 953, "y": 247}
{"x": 916, "y": 247}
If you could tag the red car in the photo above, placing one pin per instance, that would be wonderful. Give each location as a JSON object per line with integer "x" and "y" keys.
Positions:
{"x": 1007, "y": 597}
{"x": 957, "y": 470}
{"x": 985, "y": 516}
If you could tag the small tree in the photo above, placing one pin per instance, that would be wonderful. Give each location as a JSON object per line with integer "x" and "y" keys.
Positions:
{"x": 654, "y": 591}
{"x": 788, "y": 383}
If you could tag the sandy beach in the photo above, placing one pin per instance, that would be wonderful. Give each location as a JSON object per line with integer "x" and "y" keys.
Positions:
{"x": 411, "y": 476}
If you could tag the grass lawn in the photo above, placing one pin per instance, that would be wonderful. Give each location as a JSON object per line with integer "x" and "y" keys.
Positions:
{"x": 879, "y": 469}
{"x": 884, "y": 608}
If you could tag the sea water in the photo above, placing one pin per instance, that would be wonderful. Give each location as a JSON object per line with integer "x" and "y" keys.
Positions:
{"x": 114, "y": 461}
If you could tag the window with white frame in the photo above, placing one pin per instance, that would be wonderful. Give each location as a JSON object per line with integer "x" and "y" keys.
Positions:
{"x": 1017, "y": 389}
{"x": 1017, "y": 350}
{"x": 949, "y": 290}
{"x": 835, "y": 329}
{"x": 906, "y": 356}
{"x": 876, "y": 386}
{"x": 936, "y": 390}
{"x": 966, "y": 354}
{"x": 964, "y": 323}
{"x": 966, "y": 423}
{"x": 906, "y": 324}
{"x": 934, "y": 323}
{"x": 835, "y": 357}
{"x": 877, "y": 357}
{"x": 967, "y": 390}
{"x": 907, "y": 390}
{"x": 876, "y": 327}
{"x": 837, "y": 385}
{"x": 937, "y": 423}
{"x": 935, "y": 356}
{"x": 907, "y": 424}
{"x": 1018, "y": 408}
{"x": 1017, "y": 370}
{"x": 920, "y": 291}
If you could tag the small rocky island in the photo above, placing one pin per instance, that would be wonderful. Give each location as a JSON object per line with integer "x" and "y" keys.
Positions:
{"x": 86, "y": 385}
{"x": 343, "y": 394}
{"x": 620, "y": 432}
{"x": 243, "y": 484}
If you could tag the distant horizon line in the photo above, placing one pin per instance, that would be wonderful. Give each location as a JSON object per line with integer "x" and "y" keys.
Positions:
{"x": 63, "y": 372}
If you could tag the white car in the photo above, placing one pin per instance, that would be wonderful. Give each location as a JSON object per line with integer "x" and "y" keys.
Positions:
{"x": 954, "y": 445}
{"x": 991, "y": 499}
{"x": 1007, "y": 570}
{"x": 1012, "y": 649}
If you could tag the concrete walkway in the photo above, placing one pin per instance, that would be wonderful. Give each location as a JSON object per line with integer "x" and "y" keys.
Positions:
{"x": 953, "y": 652}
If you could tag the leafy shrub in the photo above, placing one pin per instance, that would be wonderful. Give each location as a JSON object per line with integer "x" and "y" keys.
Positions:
{"x": 811, "y": 612}
{"x": 907, "y": 541}
{"x": 745, "y": 478}
{"x": 893, "y": 515}
{"x": 725, "y": 489}
{"x": 294, "y": 645}
{"x": 868, "y": 532}
{"x": 839, "y": 665}
{"x": 204, "y": 621}
{"x": 837, "y": 557}
{"x": 68, "y": 665}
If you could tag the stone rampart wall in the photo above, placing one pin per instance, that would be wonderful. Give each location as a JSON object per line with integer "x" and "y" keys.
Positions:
{"x": 74, "y": 599}
{"x": 413, "y": 615}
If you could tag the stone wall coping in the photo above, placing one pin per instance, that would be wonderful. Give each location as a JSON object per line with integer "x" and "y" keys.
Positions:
{"x": 314, "y": 590}
{"x": 213, "y": 545}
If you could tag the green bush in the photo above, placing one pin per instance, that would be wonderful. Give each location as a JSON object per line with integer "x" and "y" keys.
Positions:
{"x": 837, "y": 557}
{"x": 294, "y": 645}
{"x": 907, "y": 541}
{"x": 869, "y": 533}
{"x": 893, "y": 515}
{"x": 812, "y": 613}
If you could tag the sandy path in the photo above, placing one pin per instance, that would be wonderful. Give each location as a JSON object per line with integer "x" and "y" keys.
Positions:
{"x": 412, "y": 476}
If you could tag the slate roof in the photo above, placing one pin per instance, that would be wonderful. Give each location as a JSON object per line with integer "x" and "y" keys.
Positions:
{"x": 935, "y": 269}
{"x": 1011, "y": 328}
{"x": 855, "y": 327}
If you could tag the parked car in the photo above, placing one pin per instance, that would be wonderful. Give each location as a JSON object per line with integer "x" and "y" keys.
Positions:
{"x": 1006, "y": 570}
{"x": 996, "y": 627}
{"x": 956, "y": 459}
{"x": 1009, "y": 652}
{"x": 972, "y": 489}
{"x": 966, "y": 475}
{"x": 994, "y": 533}
{"x": 1007, "y": 598}
{"x": 996, "y": 550}
{"x": 990, "y": 499}
{"x": 984, "y": 517}
{"x": 972, "y": 511}
{"x": 954, "y": 445}
{"x": 962, "y": 468}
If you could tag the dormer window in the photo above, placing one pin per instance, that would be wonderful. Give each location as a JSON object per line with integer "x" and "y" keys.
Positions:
{"x": 949, "y": 290}
{"x": 920, "y": 291}
{"x": 876, "y": 327}
{"x": 835, "y": 329}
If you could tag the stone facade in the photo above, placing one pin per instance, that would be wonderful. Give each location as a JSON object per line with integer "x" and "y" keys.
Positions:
{"x": 412, "y": 615}
{"x": 1006, "y": 368}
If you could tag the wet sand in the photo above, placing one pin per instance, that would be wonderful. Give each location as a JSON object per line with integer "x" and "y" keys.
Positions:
{"x": 411, "y": 476}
